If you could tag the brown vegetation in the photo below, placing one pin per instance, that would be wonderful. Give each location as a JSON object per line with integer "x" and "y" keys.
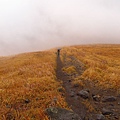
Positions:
{"x": 28, "y": 86}
{"x": 28, "y": 82}
{"x": 102, "y": 63}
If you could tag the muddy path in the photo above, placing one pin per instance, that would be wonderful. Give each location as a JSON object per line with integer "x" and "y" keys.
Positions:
{"x": 94, "y": 106}
{"x": 72, "y": 99}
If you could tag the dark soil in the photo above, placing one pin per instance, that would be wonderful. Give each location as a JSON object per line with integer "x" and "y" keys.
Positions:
{"x": 91, "y": 108}
{"x": 74, "y": 102}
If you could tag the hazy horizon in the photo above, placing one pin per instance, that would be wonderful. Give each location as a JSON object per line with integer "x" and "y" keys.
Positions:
{"x": 33, "y": 25}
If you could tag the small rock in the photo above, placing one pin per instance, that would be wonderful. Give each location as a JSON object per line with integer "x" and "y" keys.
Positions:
{"x": 72, "y": 94}
{"x": 109, "y": 99}
{"x": 106, "y": 111}
{"x": 27, "y": 101}
{"x": 63, "y": 94}
{"x": 76, "y": 85}
{"x": 60, "y": 89}
{"x": 87, "y": 90}
{"x": 61, "y": 114}
{"x": 111, "y": 105}
{"x": 96, "y": 98}
{"x": 37, "y": 98}
{"x": 83, "y": 93}
{"x": 116, "y": 117}
{"x": 8, "y": 106}
{"x": 69, "y": 80}
{"x": 118, "y": 103}
{"x": 100, "y": 117}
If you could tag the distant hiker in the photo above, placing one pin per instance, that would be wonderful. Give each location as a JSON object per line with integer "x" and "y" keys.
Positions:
{"x": 58, "y": 51}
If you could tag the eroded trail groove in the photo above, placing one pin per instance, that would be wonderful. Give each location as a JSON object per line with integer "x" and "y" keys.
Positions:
{"x": 73, "y": 100}
{"x": 89, "y": 101}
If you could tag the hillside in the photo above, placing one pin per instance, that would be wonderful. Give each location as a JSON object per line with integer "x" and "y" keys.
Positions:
{"x": 28, "y": 85}
{"x": 102, "y": 63}
{"x": 32, "y": 82}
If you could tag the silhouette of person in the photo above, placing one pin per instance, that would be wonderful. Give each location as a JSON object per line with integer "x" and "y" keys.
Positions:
{"x": 58, "y": 51}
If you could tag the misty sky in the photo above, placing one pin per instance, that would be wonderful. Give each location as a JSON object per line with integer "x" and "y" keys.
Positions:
{"x": 30, "y": 25}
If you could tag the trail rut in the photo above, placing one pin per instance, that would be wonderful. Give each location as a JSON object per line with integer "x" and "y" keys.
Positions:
{"x": 76, "y": 103}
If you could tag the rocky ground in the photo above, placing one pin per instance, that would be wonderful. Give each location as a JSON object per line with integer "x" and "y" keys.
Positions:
{"x": 88, "y": 102}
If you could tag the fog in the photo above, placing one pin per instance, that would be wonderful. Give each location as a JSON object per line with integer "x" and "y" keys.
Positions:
{"x": 33, "y": 25}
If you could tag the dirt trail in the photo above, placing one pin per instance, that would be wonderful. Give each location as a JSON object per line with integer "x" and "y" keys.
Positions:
{"x": 75, "y": 102}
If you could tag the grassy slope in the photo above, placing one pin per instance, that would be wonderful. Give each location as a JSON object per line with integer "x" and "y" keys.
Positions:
{"x": 102, "y": 63}
{"x": 31, "y": 78}
{"x": 28, "y": 77}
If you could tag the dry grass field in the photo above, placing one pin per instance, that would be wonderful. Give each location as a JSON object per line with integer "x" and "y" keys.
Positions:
{"x": 28, "y": 86}
{"x": 102, "y": 63}
{"x": 28, "y": 82}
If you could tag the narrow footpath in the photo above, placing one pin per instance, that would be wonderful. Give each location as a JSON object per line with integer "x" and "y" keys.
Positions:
{"x": 73, "y": 101}
{"x": 88, "y": 102}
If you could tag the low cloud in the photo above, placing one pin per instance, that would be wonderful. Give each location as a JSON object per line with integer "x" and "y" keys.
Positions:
{"x": 28, "y": 25}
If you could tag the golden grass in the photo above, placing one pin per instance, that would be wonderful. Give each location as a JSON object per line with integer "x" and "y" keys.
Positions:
{"x": 28, "y": 81}
{"x": 28, "y": 78}
{"x": 102, "y": 63}
{"x": 69, "y": 70}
